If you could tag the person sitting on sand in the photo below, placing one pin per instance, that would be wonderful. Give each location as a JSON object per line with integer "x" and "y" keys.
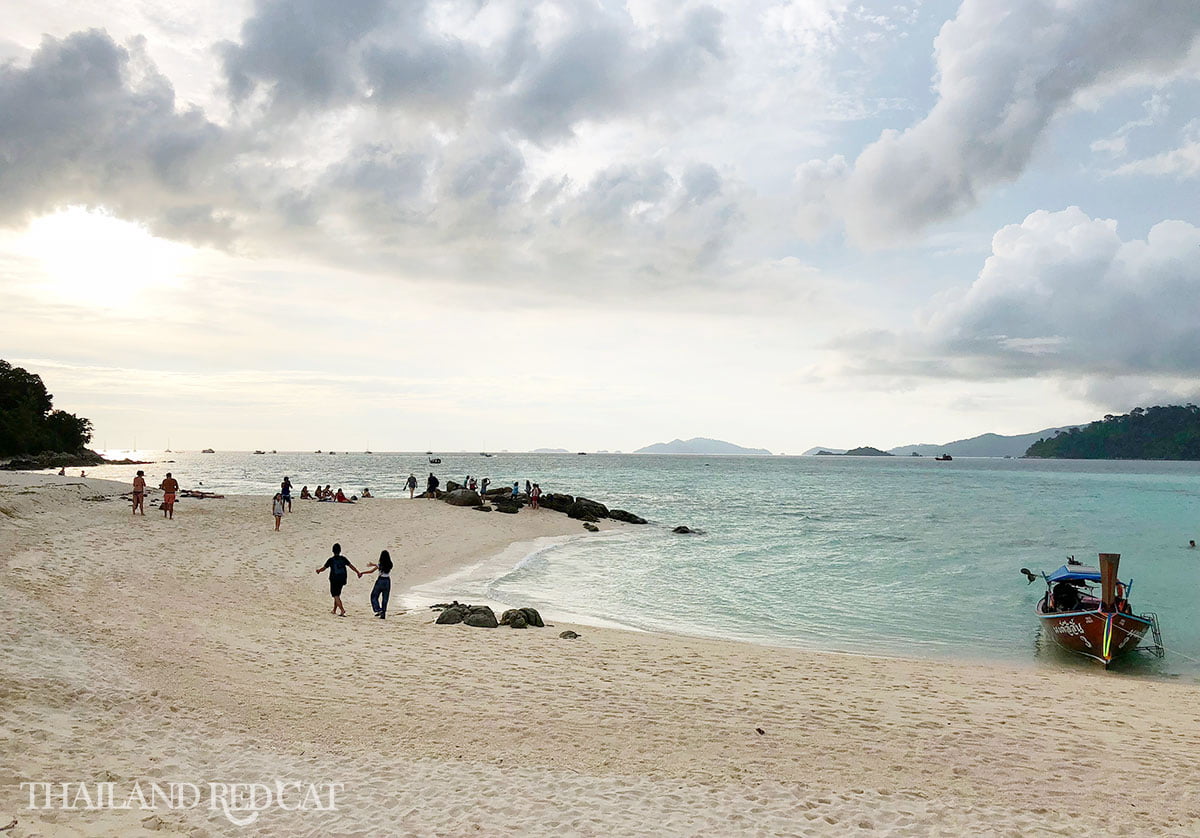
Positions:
{"x": 341, "y": 498}
{"x": 305, "y": 494}
{"x": 336, "y": 565}
{"x": 277, "y": 509}
{"x": 367, "y": 493}
{"x": 411, "y": 485}
{"x": 169, "y": 487}
{"x": 383, "y": 585}
{"x": 139, "y": 493}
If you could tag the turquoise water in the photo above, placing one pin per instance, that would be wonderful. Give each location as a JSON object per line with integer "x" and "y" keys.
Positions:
{"x": 877, "y": 555}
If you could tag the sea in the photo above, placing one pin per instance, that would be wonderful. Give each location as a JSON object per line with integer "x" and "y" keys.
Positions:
{"x": 898, "y": 556}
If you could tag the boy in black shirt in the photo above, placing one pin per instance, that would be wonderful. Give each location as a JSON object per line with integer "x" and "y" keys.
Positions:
{"x": 336, "y": 565}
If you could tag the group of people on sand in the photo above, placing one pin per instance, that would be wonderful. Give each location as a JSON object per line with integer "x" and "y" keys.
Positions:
{"x": 169, "y": 486}
{"x": 338, "y": 564}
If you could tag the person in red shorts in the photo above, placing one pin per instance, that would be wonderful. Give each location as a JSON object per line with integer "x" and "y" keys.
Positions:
{"x": 170, "y": 487}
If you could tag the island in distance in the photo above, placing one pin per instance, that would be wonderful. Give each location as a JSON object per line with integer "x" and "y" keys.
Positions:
{"x": 699, "y": 445}
{"x": 984, "y": 445}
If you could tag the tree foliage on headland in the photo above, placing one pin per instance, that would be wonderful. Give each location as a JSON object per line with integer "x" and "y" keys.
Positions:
{"x": 1150, "y": 433}
{"x": 29, "y": 424}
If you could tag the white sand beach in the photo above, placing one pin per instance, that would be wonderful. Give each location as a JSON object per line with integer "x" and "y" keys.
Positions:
{"x": 202, "y": 650}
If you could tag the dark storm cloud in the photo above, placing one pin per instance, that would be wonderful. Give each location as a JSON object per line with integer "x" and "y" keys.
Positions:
{"x": 89, "y": 121}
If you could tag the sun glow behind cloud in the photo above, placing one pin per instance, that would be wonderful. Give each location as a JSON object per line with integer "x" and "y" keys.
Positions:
{"x": 90, "y": 257}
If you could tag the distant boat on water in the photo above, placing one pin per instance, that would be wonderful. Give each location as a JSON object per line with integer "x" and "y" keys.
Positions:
{"x": 437, "y": 461}
{"x": 945, "y": 458}
{"x": 482, "y": 454}
{"x": 260, "y": 452}
{"x": 1102, "y": 628}
{"x": 208, "y": 451}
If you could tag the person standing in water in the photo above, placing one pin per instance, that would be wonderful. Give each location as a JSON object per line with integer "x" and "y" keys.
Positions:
{"x": 411, "y": 485}
{"x": 277, "y": 509}
{"x": 169, "y": 487}
{"x": 139, "y": 493}
{"x": 336, "y": 565}
{"x": 383, "y": 585}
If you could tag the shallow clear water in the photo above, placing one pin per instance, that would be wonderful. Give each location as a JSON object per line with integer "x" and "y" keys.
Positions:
{"x": 881, "y": 555}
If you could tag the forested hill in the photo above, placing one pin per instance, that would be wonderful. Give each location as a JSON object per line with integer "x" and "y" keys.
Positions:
{"x": 1151, "y": 433}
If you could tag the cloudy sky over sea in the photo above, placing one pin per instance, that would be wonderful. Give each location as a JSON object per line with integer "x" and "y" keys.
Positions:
{"x": 409, "y": 224}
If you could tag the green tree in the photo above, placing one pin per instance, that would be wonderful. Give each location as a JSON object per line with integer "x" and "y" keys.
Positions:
{"x": 29, "y": 424}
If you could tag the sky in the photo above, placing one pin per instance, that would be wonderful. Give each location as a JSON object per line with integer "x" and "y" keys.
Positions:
{"x": 424, "y": 225}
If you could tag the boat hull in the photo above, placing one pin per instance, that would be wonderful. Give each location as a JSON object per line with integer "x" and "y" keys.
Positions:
{"x": 1095, "y": 634}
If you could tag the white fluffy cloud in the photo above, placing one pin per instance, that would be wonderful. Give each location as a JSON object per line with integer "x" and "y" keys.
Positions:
{"x": 1005, "y": 70}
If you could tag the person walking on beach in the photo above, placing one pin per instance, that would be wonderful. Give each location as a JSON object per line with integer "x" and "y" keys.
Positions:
{"x": 285, "y": 492}
{"x": 431, "y": 486}
{"x": 169, "y": 487}
{"x": 139, "y": 493}
{"x": 411, "y": 485}
{"x": 383, "y": 585}
{"x": 336, "y": 565}
{"x": 277, "y": 509}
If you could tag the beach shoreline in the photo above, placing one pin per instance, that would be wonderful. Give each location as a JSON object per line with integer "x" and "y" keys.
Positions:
{"x": 203, "y": 648}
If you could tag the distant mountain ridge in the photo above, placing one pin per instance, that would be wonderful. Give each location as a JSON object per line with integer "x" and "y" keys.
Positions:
{"x": 699, "y": 445}
{"x": 984, "y": 445}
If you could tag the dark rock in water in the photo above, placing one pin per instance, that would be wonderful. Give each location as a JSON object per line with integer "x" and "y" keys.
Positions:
{"x": 452, "y": 615}
{"x": 532, "y": 617}
{"x": 568, "y": 635}
{"x": 557, "y": 502}
{"x": 462, "y": 497}
{"x": 627, "y": 517}
{"x": 598, "y": 509}
{"x": 482, "y": 508}
{"x": 590, "y": 527}
{"x": 685, "y": 530}
{"x": 451, "y": 486}
{"x": 480, "y": 616}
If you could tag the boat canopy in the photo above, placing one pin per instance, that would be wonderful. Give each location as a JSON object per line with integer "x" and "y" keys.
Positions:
{"x": 1075, "y": 573}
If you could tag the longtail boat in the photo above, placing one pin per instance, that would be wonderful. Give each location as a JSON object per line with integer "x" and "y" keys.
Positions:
{"x": 1101, "y": 627}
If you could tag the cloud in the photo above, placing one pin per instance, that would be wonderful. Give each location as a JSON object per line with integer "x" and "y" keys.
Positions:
{"x": 1005, "y": 70}
{"x": 1061, "y": 294}
{"x": 1183, "y": 161}
{"x": 89, "y": 121}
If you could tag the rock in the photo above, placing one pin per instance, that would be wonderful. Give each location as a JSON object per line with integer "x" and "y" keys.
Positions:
{"x": 436, "y": 493}
{"x": 590, "y": 527}
{"x": 683, "y": 530}
{"x": 451, "y": 486}
{"x": 452, "y": 615}
{"x": 462, "y": 497}
{"x": 507, "y": 616}
{"x": 532, "y": 617}
{"x": 482, "y": 508}
{"x": 481, "y": 616}
{"x": 627, "y": 517}
{"x": 568, "y": 635}
{"x": 595, "y": 507}
{"x": 511, "y": 509}
{"x": 517, "y": 621}
{"x": 559, "y": 503}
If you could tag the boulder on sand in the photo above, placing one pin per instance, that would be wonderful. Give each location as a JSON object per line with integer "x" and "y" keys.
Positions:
{"x": 480, "y": 616}
{"x": 451, "y": 486}
{"x": 557, "y": 502}
{"x": 454, "y": 614}
{"x": 462, "y": 497}
{"x": 521, "y": 618}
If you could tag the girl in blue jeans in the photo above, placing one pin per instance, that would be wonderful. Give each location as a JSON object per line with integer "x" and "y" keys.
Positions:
{"x": 383, "y": 585}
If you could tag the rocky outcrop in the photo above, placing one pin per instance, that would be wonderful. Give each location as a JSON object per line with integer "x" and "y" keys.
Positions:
{"x": 520, "y": 618}
{"x": 480, "y": 616}
{"x": 686, "y": 530}
{"x": 568, "y": 635}
{"x": 451, "y": 486}
{"x": 587, "y": 510}
{"x": 509, "y": 508}
{"x": 455, "y": 612}
{"x": 51, "y": 459}
{"x": 461, "y": 497}
{"x": 627, "y": 517}
{"x": 590, "y": 527}
{"x": 557, "y": 502}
